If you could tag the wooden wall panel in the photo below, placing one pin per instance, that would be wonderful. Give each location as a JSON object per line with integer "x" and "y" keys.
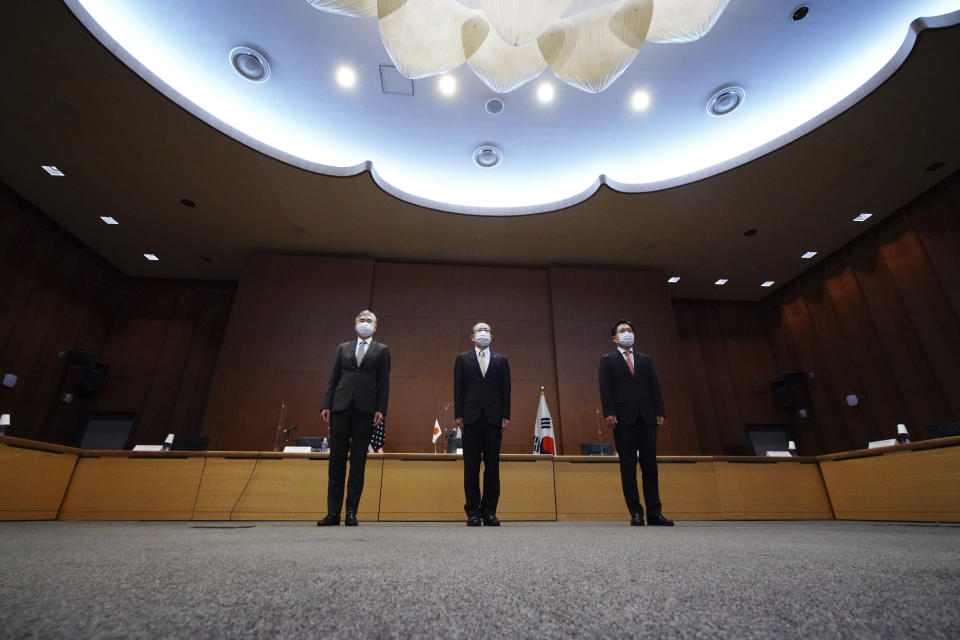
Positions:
{"x": 288, "y": 316}
{"x": 58, "y": 296}
{"x": 879, "y": 319}
{"x": 730, "y": 366}
{"x": 426, "y": 316}
{"x": 585, "y": 304}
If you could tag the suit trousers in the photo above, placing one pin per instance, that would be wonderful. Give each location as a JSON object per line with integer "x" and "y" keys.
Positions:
{"x": 481, "y": 442}
{"x": 349, "y": 431}
{"x": 638, "y": 443}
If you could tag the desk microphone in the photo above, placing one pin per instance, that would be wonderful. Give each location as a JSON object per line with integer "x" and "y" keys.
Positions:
{"x": 290, "y": 428}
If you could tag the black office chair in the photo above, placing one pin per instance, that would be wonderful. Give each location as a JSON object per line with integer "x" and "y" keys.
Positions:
{"x": 596, "y": 448}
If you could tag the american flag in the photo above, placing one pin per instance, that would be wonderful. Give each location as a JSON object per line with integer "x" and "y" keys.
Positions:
{"x": 378, "y": 437}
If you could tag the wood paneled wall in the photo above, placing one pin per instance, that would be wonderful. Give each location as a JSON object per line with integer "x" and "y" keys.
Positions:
{"x": 586, "y": 302}
{"x": 878, "y": 319}
{"x": 160, "y": 337}
{"x": 553, "y": 326}
{"x": 729, "y": 367}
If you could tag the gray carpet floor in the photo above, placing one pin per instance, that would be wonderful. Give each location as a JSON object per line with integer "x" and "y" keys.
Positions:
{"x": 544, "y": 580}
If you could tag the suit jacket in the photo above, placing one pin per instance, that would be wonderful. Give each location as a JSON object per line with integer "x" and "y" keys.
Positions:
{"x": 367, "y": 385}
{"x": 475, "y": 395}
{"x": 631, "y": 397}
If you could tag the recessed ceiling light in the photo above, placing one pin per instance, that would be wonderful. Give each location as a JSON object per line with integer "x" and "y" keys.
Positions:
{"x": 725, "y": 101}
{"x": 447, "y": 85}
{"x": 721, "y": 282}
{"x": 109, "y": 220}
{"x": 640, "y": 100}
{"x": 52, "y": 170}
{"x": 150, "y": 257}
{"x": 545, "y": 92}
{"x": 673, "y": 279}
{"x": 768, "y": 283}
{"x": 808, "y": 255}
{"x": 487, "y": 156}
{"x": 493, "y": 106}
{"x": 862, "y": 217}
{"x": 250, "y": 64}
{"x": 346, "y": 77}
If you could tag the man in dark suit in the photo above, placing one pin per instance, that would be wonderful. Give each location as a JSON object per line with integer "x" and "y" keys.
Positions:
{"x": 633, "y": 408}
{"x": 355, "y": 401}
{"x": 481, "y": 401}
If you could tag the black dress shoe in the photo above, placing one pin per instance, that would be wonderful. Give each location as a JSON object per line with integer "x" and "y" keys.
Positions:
{"x": 491, "y": 521}
{"x": 473, "y": 521}
{"x": 636, "y": 519}
{"x": 329, "y": 521}
{"x": 657, "y": 520}
{"x": 351, "y": 519}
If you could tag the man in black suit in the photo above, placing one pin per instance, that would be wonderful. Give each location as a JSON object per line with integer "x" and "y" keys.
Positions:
{"x": 481, "y": 402}
{"x": 355, "y": 401}
{"x": 633, "y": 408}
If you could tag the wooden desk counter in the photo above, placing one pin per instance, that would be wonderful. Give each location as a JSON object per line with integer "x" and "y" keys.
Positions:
{"x": 33, "y": 478}
{"x": 912, "y": 482}
{"x": 430, "y": 487}
{"x": 697, "y": 488}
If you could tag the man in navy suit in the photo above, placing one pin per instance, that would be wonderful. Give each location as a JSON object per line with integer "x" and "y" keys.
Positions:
{"x": 355, "y": 401}
{"x": 481, "y": 401}
{"x": 633, "y": 408}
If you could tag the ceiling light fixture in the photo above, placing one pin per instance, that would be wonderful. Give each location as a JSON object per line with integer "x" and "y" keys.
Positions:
{"x": 52, "y": 170}
{"x": 250, "y": 64}
{"x": 487, "y": 156}
{"x": 673, "y": 279}
{"x": 768, "y": 284}
{"x": 109, "y": 220}
{"x": 721, "y": 282}
{"x": 800, "y": 13}
{"x": 447, "y": 85}
{"x": 493, "y": 106}
{"x": 862, "y": 217}
{"x": 640, "y": 100}
{"x": 545, "y": 93}
{"x": 151, "y": 257}
{"x": 346, "y": 77}
{"x": 808, "y": 255}
{"x": 507, "y": 43}
{"x": 725, "y": 101}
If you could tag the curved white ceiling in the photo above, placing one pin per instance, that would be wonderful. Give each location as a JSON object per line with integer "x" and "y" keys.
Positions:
{"x": 796, "y": 76}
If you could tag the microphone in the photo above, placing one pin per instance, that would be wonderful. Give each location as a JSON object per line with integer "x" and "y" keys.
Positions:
{"x": 290, "y": 428}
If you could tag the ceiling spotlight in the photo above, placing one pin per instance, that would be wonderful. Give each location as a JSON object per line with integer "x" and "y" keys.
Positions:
{"x": 109, "y": 220}
{"x": 346, "y": 77}
{"x": 673, "y": 279}
{"x": 800, "y": 13}
{"x": 768, "y": 283}
{"x": 250, "y": 64}
{"x": 151, "y": 257}
{"x": 447, "y": 85}
{"x": 862, "y": 217}
{"x": 487, "y": 156}
{"x": 725, "y": 101}
{"x": 640, "y": 100}
{"x": 721, "y": 282}
{"x": 545, "y": 92}
{"x": 52, "y": 170}
{"x": 808, "y": 255}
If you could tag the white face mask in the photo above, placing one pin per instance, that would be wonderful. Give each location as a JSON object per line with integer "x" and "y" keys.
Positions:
{"x": 625, "y": 339}
{"x": 364, "y": 329}
{"x": 482, "y": 338}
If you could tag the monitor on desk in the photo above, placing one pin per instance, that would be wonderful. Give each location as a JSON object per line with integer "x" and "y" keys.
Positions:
{"x": 314, "y": 442}
{"x": 596, "y": 448}
{"x": 190, "y": 443}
